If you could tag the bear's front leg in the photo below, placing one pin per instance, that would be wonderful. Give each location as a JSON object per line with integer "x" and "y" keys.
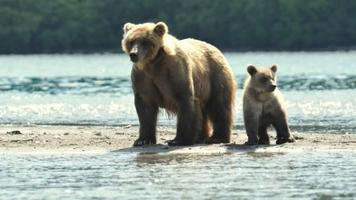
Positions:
{"x": 147, "y": 113}
{"x": 263, "y": 137}
{"x": 282, "y": 129}
{"x": 251, "y": 125}
{"x": 188, "y": 125}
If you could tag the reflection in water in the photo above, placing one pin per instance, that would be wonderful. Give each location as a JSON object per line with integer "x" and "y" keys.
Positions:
{"x": 261, "y": 155}
{"x": 169, "y": 158}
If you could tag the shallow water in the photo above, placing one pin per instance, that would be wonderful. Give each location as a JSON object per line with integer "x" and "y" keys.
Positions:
{"x": 126, "y": 175}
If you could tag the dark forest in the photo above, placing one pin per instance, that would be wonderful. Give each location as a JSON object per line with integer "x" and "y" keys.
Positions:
{"x": 72, "y": 26}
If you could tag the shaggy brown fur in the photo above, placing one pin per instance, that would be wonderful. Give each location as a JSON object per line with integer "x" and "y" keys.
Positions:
{"x": 188, "y": 77}
{"x": 263, "y": 105}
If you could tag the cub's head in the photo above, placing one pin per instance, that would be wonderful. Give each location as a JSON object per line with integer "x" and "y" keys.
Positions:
{"x": 263, "y": 79}
{"x": 143, "y": 41}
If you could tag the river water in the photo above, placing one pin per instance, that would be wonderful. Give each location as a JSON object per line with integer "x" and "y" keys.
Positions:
{"x": 96, "y": 90}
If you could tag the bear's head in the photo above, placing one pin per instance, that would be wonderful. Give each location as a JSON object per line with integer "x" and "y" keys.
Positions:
{"x": 142, "y": 42}
{"x": 263, "y": 79}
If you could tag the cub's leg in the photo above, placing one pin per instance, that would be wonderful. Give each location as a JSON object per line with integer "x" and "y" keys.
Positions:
{"x": 252, "y": 112}
{"x": 262, "y": 132}
{"x": 282, "y": 129}
{"x": 251, "y": 121}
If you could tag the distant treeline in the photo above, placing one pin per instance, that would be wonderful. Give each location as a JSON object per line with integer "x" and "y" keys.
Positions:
{"x": 62, "y": 26}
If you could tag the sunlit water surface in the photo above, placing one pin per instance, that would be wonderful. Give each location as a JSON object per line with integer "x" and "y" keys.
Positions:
{"x": 96, "y": 89}
{"x": 319, "y": 88}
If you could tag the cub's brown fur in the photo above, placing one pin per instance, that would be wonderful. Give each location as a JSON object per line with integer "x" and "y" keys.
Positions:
{"x": 263, "y": 105}
{"x": 188, "y": 77}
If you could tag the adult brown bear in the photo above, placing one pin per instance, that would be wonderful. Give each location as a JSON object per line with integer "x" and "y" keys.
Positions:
{"x": 188, "y": 77}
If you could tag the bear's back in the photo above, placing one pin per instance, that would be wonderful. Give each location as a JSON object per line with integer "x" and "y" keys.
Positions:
{"x": 194, "y": 45}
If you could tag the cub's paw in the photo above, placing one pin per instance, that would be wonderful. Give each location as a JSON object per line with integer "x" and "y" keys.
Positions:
{"x": 176, "y": 142}
{"x": 142, "y": 142}
{"x": 282, "y": 140}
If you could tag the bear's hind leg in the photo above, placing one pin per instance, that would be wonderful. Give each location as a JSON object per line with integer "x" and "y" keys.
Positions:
{"x": 189, "y": 123}
{"x": 221, "y": 117}
{"x": 220, "y": 105}
{"x": 206, "y": 128}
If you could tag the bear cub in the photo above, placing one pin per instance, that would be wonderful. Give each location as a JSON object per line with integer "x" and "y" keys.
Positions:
{"x": 263, "y": 105}
{"x": 188, "y": 77}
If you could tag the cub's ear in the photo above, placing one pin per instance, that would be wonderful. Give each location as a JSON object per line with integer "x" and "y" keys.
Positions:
{"x": 160, "y": 28}
{"x": 274, "y": 68}
{"x": 252, "y": 70}
{"x": 128, "y": 26}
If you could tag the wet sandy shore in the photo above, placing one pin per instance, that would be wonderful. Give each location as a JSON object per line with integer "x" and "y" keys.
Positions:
{"x": 38, "y": 139}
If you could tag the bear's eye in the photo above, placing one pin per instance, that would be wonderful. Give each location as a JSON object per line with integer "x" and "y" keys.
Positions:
{"x": 264, "y": 79}
{"x": 131, "y": 43}
{"x": 146, "y": 43}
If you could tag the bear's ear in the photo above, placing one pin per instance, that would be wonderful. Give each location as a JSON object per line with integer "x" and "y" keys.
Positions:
{"x": 128, "y": 26}
{"x": 274, "y": 68}
{"x": 251, "y": 70}
{"x": 160, "y": 28}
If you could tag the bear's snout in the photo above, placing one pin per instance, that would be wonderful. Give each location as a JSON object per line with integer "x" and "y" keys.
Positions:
{"x": 133, "y": 57}
{"x": 272, "y": 88}
{"x": 134, "y": 53}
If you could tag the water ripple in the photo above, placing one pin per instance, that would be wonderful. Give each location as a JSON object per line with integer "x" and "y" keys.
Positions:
{"x": 67, "y": 85}
{"x": 314, "y": 82}
{"x": 320, "y": 82}
{"x": 122, "y": 85}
